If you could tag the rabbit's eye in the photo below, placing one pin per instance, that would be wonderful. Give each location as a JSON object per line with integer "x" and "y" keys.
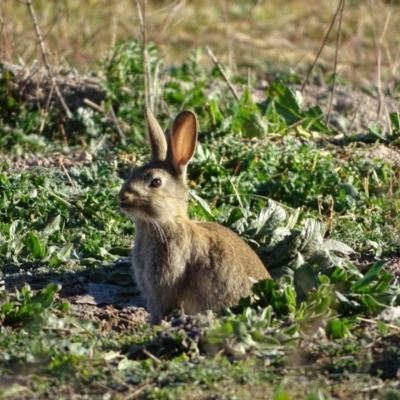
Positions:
{"x": 155, "y": 183}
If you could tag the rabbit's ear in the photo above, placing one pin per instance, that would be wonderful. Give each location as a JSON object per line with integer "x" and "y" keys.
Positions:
{"x": 182, "y": 140}
{"x": 156, "y": 137}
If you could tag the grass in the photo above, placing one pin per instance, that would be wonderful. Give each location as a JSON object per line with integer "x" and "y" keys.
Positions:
{"x": 268, "y": 170}
{"x": 264, "y": 36}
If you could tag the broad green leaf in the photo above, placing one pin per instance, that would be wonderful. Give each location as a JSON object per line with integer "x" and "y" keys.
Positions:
{"x": 216, "y": 116}
{"x": 395, "y": 121}
{"x": 247, "y": 119}
{"x": 204, "y": 206}
{"x": 47, "y": 296}
{"x": 282, "y": 94}
{"x": 369, "y": 277}
{"x": 373, "y": 307}
{"x": 14, "y": 228}
{"x": 336, "y": 329}
{"x": 52, "y": 226}
{"x": 384, "y": 329}
{"x": 34, "y": 244}
{"x": 314, "y": 116}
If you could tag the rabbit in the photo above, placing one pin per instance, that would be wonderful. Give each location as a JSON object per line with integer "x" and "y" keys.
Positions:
{"x": 178, "y": 263}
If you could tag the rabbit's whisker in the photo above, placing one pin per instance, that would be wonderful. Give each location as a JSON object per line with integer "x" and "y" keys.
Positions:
{"x": 160, "y": 232}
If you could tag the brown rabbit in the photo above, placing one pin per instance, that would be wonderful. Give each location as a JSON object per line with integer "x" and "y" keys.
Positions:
{"x": 179, "y": 263}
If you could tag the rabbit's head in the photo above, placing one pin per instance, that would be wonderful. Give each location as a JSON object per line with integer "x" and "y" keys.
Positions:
{"x": 157, "y": 191}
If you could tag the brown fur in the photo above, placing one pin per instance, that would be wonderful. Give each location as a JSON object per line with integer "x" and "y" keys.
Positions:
{"x": 178, "y": 263}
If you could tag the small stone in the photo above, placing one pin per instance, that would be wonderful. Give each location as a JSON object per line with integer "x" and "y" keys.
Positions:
{"x": 36, "y": 162}
{"x": 390, "y": 314}
{"x": 66, "y": 162}
{"x": 85, "y": 157}
{"x": 45, "y": 162}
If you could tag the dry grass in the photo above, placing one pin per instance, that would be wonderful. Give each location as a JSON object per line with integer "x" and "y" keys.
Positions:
{"x": 263, "y": 34}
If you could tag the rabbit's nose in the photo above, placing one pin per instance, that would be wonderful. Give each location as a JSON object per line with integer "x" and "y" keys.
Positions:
{"x": 124, "y": 195}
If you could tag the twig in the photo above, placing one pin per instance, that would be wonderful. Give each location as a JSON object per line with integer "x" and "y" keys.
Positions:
{"x": 221, "y": 70}
{"x": 330, "y": 217}
{"x": 149, "y": 98}
{"x": 153, "y": 357}
{"x": 341, "y": 7}
{"x": 373, "y": 387}
{"x": 321, "y": 48}
{"x": 56, "y": 196}
{"x": 119, "y": 130}
{"x": 63, "y": 134}
{"x": 355, "y": 114}
{"x": 61, "y": 164}
{"x": 288, "y": 128}
{"x": 378, "y": 51}
{"x": 111, "y": 116}
{"x": 371, "y": 321}
{"x": 137, "y": 392}
{"x": 45, "y": 59}
{"x": 46, "y": 110}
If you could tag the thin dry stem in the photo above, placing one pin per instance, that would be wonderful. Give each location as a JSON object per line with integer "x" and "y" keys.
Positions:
{"x": 372, "y": 321}
{"x": 139, "y": 391}
{"x": 378, "y": 55}
{"x": 221, "y": 70}
{"x": 45, "y": 59}
{"x": 153, "y": 357}
{"x": 64, "y": 136}
{"x": 46, "y": 110}
{"x": 149, "y": 95}
{"x": 111, "y": 116}
{"x": 115, "y": 120}
{"x": 355, "y": 113}
{"x": 321, "y": 48}
{"x": 61, "y": 164}
{"x": 340, "y": 8}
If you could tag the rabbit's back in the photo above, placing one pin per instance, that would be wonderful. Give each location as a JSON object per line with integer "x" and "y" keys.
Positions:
{"x": 221, "y": 269}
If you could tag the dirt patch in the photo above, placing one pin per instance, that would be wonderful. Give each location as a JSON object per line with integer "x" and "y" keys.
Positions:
{"x": 382, "y": 152}
{"x": 115, "y": 308}
{"x": 393, "y": 266}
{"x": 55, "y": 160}
{"x": 111, "y": 318}
{"x": 352, "y": 109}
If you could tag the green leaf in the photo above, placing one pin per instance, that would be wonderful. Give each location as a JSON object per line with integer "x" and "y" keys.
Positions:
{"x": 216, "y": 116}
{"x": 247, "y": 119}
{"x": 383, "y": 328}
{"x": 204, "y": 206}
{"x": 282, "y": 94}
{"x": 371, "y": 304}
{"x": 281, "y": 396}
{"x": 369, "y": 277}
{"x": 336, "y": 329}
{"x": 47, "y": 296}
{"x": 395, "y": 121}
{"x": 313, "y": 118}
{"x": 52, "y": 226}
{"x": 34, "y": 244}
